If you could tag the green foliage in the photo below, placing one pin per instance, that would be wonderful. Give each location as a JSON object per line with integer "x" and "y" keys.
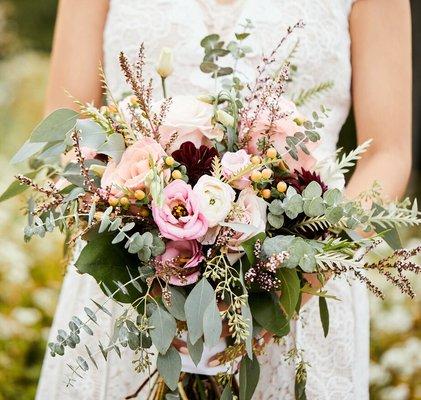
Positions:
{"x": 267, "y": 313}
{"x": 290, "y": 290}
{"x": 164, "y": 329}
{"x": 324, "y": 314}
{"x": 249, "y": 377}
{"x": 169, "y": 367}
{"x": 306, "y": 95}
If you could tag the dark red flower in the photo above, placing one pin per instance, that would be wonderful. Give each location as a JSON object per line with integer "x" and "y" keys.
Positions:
{"x": 300, "y": 179}
{"x": 198, "y": 161}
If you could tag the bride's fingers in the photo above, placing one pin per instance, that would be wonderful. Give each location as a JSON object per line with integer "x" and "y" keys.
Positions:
{"x": 181, "y": 346}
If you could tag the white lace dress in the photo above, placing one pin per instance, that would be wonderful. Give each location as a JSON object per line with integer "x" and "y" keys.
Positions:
{"x": 339, "y": 363}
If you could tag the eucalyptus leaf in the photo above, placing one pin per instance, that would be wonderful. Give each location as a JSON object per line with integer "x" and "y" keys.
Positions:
{"x": 176, "y": 306}
{"x": 324, "y": 315}
{"x": 276, "y": 221}
{"x": 212, "y": 324}
{"x": 169, "y": 367}
{"x": 113, "y": 147}
{"x": 195, "y": 306}
{"x": 26, "y": 151}
{"x": 164, "y": 329}
{"x": 249, "y": 377}
{"x": 92, "y": 135}
{"x": 16, "y": 187}
{"x": 55, "y": 126}
{"x": 195, "y": 350}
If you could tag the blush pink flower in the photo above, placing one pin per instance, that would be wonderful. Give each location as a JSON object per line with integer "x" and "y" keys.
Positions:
{"x": 234, "y": 162}
{"x": 184, "y": 258}
{"x": 180, "y": 218}
{"x": 278, "y": 131}
{"x": 133, "y": 170}
{"x": 190, "y": 118}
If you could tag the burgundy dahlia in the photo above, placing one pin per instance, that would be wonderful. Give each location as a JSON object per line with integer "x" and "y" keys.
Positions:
{"x": 198, "y": 161}
{"x": 300, "y": 179}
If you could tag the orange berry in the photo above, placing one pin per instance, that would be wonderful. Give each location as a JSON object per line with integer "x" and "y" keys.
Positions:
{"x": 281, "y": 186}
{"x": 267, "y": 173}
{"x": 124, "y": 201}
{"x": 256, "y": 176}
{"x": 169, "y": 161}
{"x": 271, "y": 153}
{"x": 256, "y": 160}
{"x": 113, "y": 201}
{"x": 176, "y": 174}
{"x": 139, "y": 194}
{"x": 266, "y": 193}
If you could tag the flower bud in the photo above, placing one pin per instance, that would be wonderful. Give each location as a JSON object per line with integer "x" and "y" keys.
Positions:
{"x": 256, "y": 176}
{"x": 165, "y": 63}
{"x": 271, "y": 153}
{"x": 176, "y": 174}
{"x": 281, "y": 186}
{"x": 224, "y": 118}
{"x": 256, "y": 160}
{"x": 169, "y": 161}
{"x": 266, "y": 173}
{"x": 266, "y": 193}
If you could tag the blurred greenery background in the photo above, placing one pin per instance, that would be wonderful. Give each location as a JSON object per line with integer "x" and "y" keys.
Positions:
{"x": 31, "y": 274}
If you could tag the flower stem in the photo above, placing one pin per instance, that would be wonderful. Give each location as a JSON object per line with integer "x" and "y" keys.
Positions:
{"x": 164, "y": 88}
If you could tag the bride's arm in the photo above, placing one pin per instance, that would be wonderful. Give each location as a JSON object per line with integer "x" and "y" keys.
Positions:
{"x": 382, "y": 87}
{"x": 77, "y": 53}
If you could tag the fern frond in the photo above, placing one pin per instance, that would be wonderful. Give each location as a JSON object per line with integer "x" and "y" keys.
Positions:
{"x": 313, "y": 224}
{"x": 348, "y": 160}
{"x": 306, "y": 95}
{"x": 217, "y": 169}
{"x": 397, "y": 217}
{"x": 333, "y": 260}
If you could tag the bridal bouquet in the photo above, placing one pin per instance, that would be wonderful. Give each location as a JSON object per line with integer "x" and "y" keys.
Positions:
{"x": 204, "y": 216}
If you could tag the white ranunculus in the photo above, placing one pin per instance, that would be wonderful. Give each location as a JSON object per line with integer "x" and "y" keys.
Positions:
{"x": 215, "y": 199}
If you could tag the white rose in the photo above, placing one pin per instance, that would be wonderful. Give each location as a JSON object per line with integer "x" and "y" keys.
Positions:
{"x": 165, "y": 63}
{"x": 215, "y": 199}
{"x": 250, "y": 210}
{"x": 190, "y": 118}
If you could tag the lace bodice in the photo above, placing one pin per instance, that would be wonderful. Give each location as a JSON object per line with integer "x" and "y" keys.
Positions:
{"x": 323, "y": 53}
{"x": 339, "y": 363}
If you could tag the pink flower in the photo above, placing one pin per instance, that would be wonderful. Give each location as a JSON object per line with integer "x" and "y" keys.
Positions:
{"x": 180, "y": 218}
{"x": 183, "y": 257}
{"x": 234, "y": 162}
{"x": 278, "y": 131}
{"x": 190, "y": 118}
{"x": 133, "y": 170}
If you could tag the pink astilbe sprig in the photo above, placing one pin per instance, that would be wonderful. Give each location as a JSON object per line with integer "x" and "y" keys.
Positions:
{"x": 141, "y": 89}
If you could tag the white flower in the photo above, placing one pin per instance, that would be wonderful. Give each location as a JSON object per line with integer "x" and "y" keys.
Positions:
{"x": 400, "y": 392}
{"x": 215, "y": 199}
{"x": 165, "y": 63}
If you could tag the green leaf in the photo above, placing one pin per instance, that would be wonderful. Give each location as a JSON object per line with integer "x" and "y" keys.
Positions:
{"x": 390, "y": 236}
{"x": 109, "y": 264}
{"x": 195, "y": 306}
{"x": 114, "y": 147}
{"x": 227, "y": 393}
{"x": 16, "y": 187}
{"x": 332, "y": 197}
{"x": 212, "y": 324}
{"x": 246, "y": 312}
{"x": 92, "y": 135}
{"x": 334, "y": 214}
{"x": 195, "y": 350}
{"x": 208, "y": 67}
{"x": 242, "y": 36}
{"x": 276, "y": 207}
{"x": 249, "y": 377}
{"x": 314, "y": 207}
{"x": 165, "y": 328}
{"x": 26, "y": 151}
{"x": 55, "y": 126}
{"x": 209, "y": 40}
{"x": 169, "y": 367}
{"x": 267, "y": 312}
{"x": 224, "y": 71}
{"x": 324, "y": 315}
{"x": 276, "y": 221}
{"x": 312, "y": 190}
{"x": 178, "y": 300}
{"x": 248, "y": 246}
{"x": 290, "y": 290}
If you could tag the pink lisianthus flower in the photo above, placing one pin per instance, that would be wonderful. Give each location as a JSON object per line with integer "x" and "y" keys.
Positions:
{"x": 278, "y": 131}
{"x": 232, "y": 163}
{"x": 180, "y": 217}
{"x": 181, "y": 258}
{"x": 133, "y": 170}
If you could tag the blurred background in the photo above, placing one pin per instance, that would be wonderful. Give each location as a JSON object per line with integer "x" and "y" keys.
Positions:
{"x": 31, "y": 273}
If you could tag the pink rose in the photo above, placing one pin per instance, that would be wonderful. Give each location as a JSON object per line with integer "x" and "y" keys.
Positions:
{"x": 133, "y": 170}
{"x": 280, "y": 129}
{"x": 190, "y": 118}
{"x": 183, "y": 257}
{"x": 234, "y": 162}
{"x": 180, "y": 218}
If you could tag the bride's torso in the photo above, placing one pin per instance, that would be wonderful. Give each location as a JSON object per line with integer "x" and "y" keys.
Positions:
{"x": 323, "y": 53}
